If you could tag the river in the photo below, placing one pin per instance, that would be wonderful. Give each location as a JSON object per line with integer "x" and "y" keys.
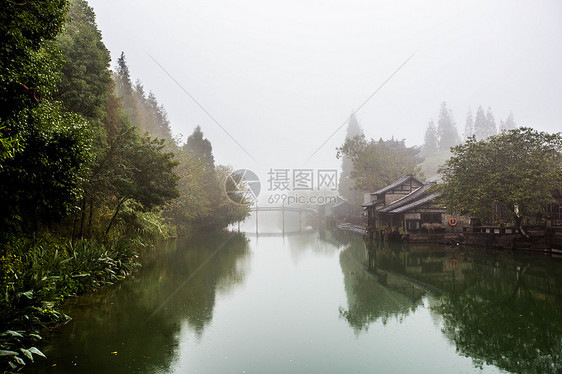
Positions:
{"x": 308, "y": 303}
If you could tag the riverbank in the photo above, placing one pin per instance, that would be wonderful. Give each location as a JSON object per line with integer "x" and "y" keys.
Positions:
{"x": 549, "y": 241}
{"x": 38, "y": 275}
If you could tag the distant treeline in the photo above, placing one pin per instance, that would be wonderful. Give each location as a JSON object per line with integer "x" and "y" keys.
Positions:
{"x": 84, "y": 152}
{"x": 446, "y": 135}
{"x": 373, "y": 164}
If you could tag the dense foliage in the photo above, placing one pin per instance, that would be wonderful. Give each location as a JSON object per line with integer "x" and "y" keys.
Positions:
{"x": 516, "y": 170}
{"x": 89, "y": 173}
{"x": 379, "y": 163}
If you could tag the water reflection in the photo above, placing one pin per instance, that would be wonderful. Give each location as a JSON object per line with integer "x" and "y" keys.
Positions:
{"x": 509, "y": 314}
{"x": 373, "y": 296}
{"x": 120, "y": 331}
{"x": 317, "y": 302}
{"x": 501, "y": 309}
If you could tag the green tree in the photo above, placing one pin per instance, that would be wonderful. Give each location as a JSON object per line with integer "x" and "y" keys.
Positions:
{"x": 228, "y": 212}
{"x": 446, "y": 128}
{"x": 124, "y": 86}
{"x": 126, "y": 93}
{"x": 30, "y": 63}
{"x": 193, "y": 203}
{"x": 84, "y": 87}
{"x": 516, "y": 170}
{"x": 379, "y": 163}
{"x": 147, "y": 175}
{"x": 42, "y": 182}
{"x": 202, "y": 203}
{"x": 150, "y": 116}
{"x": 106, "y": 168}
{"x": 508, "y": 124}
{"x": 158, "y": 117}
{"x": 469, "y": 125}
{"x": 490, "y": 122}
{"x": 431, "y": 143}
{"x": 200, "y": 148}
{"x": 484, "y": 125}
{"x": 43, "y": 150}
{"x": 144, "y": 111}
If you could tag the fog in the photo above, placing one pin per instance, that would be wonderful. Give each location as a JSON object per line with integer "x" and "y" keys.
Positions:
{"x": 281, "y": 77}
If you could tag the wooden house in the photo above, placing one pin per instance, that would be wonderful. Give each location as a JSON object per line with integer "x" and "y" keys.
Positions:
{"x": 408, "y": 205}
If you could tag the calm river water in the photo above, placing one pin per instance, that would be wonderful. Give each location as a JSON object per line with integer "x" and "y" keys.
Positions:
{"x": 308, "y": 303}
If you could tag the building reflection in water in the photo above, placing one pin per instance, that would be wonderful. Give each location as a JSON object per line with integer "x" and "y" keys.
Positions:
{"x": 499, "y": 308}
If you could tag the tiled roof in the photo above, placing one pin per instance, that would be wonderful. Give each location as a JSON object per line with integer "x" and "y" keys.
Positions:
{"x": 415, "y": 204}
{"x": 412, "y": 196}
{"x": 405, "y": 178}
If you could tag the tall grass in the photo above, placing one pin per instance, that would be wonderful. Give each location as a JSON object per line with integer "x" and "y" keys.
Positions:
{"x": 36, "y": 276}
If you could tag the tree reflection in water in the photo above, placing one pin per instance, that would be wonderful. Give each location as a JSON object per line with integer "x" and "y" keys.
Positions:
{"x": 373, "y": 296}
{"x": 502, "y": 309}
{"x": 120, "y": 323}
{"x": 512, "y": 320}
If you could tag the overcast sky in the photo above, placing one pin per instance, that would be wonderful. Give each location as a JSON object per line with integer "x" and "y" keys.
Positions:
{"x": 282, "y": 76}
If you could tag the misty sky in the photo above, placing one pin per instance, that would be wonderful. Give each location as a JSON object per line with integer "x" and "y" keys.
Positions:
{"x": 282, "y": 76}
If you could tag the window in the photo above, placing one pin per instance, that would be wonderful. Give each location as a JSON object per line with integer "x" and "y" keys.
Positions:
{"x": 556, "y": 214}
{"x": 431, "y": 218}
{"x": 412, "y": 224}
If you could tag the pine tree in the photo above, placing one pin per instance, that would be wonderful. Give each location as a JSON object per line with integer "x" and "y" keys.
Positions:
{"x": 200, "y": 148}
{"x": 469, "y": 125}
{"x": 446, "y": 128}
{"x": 346, "y": 185}
{"x": 124, "y": 85}
{"x": 144, "y": 111}
{"x": 85, "y": 84}
{"x": 159, "y": 117}
{"x": 353, "y": 130}
{"x": 490, "y": 123}
{"x": 508, "y": 124}
{"x": 480, "y": 130}
{"x": 431, "y": 144}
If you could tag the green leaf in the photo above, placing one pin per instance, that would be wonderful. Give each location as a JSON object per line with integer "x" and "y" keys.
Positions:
{"x": 27, "y": 353}
{"x": 37, "y": 352}
{"x": 12, "y": 333}
{"x": 8, "y": 353}
{"x": 28, "y": 294}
